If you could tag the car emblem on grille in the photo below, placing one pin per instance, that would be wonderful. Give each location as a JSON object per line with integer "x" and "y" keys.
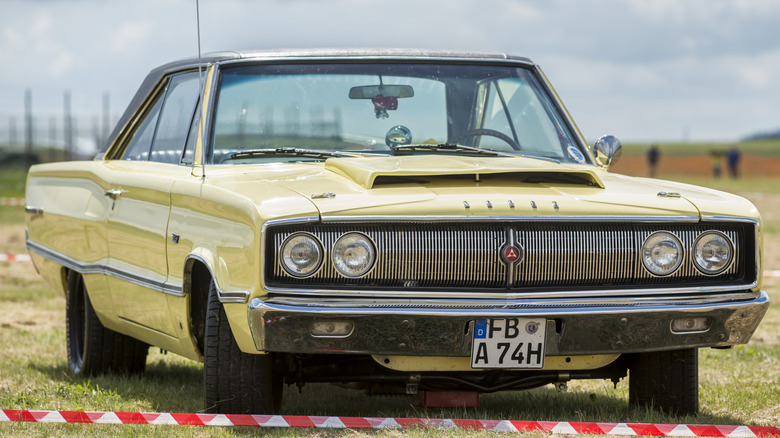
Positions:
{"x": 511, "y": 254}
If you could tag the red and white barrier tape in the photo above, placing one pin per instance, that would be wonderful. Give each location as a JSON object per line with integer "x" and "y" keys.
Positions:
{"x": 14, "y": 257}
{"x": 14, "y": 202}
{"x": 287, "y": 421}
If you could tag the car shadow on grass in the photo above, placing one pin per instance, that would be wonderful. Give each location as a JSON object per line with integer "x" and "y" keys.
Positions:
{"x": 178, "y": 387}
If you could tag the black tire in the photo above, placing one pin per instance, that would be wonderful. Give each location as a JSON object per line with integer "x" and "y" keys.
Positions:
{"x": 235, "y": 382}
{"x": 666, "y": 380}
{"x": 92, "y": 348}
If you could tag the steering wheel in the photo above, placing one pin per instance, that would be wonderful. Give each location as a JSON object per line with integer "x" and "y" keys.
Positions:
{"x": 488, "y": 132}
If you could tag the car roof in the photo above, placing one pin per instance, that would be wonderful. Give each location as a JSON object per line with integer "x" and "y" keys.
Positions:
{"x": 157, "y": 74}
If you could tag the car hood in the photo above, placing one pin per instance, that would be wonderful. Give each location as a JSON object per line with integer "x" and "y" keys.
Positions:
{"x": 490, "y": 187}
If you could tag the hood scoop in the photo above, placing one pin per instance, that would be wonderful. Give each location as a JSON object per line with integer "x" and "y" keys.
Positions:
{"x": 388, "y": 171}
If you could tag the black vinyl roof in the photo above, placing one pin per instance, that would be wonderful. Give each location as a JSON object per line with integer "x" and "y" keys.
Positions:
{"x": 157, "y": 74}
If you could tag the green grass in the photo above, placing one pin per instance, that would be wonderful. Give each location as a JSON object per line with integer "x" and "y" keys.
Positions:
{"x": 12, "y": 181}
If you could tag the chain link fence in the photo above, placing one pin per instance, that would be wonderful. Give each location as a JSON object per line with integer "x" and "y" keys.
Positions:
{"x": 40, "y": 138}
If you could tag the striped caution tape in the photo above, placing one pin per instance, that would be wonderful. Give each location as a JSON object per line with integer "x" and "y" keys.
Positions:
{"x": 289, "y": 421}
{"x": 14, "y": 257}
{"x": 14, "y": 202}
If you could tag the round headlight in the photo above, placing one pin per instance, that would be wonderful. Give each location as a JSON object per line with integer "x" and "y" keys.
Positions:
{"x": 353, "y": 254}
{"x": 301, "y": 255}
{"x": 662, "y": 253}
{"x": 712, "y": 252}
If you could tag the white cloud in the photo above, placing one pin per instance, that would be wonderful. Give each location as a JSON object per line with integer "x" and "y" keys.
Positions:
{"x": 644, "y": 68}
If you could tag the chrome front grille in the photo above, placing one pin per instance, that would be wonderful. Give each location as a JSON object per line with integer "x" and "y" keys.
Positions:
{"x": 457, "y": 257}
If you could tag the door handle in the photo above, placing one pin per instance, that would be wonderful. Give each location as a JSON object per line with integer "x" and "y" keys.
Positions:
{"x": 114, "y": 194}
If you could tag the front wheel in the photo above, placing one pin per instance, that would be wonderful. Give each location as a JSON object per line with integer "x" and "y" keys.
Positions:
{"x": 92, "y": 348}
{"x": 665, "y": 380}
{"x": 235, "y": 382}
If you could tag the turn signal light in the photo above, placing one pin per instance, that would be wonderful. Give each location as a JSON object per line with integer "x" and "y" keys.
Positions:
{"x": 690, "y": 325}
{"x": 331, "y": 329}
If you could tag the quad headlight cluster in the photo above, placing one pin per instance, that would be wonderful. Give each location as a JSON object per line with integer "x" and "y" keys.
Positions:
{"x": 663, "y": 253}
{"x": 352, "y": 255}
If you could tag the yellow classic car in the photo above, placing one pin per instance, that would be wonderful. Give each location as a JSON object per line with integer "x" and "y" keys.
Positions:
{"x": 398, "y": 221}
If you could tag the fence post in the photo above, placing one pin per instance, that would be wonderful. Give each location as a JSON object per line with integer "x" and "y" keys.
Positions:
{"x": 67, "y": 126}
{"x": 28, "y": 128}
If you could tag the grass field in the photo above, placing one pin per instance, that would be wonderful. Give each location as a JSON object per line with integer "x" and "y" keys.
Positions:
{"x": 737, "y": 386}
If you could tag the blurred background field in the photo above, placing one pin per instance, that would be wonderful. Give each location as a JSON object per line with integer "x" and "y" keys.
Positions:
{"x": 737, "y": 386}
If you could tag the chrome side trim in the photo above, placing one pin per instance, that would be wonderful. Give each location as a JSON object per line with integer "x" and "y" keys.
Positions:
{"x": 104, "y": 269}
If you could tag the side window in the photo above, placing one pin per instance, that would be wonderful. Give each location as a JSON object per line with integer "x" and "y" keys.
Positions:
{"x": 141, "y": 143}
{"x": 163, "y": 132}
{"x": 175, "y": 119}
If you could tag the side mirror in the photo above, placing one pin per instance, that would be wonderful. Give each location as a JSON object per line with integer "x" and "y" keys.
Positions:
{"x": 607, "y": 150}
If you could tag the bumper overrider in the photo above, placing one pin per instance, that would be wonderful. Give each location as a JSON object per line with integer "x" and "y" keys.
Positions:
{"x": 445, "y": 327}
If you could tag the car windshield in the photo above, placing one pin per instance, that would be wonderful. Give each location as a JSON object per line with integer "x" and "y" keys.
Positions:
{"x": 267, "y": 113}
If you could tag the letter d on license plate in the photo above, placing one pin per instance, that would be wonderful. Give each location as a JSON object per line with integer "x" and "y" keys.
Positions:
{"x": 508, "y": 343}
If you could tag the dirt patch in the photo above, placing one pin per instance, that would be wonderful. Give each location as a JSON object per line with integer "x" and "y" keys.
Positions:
{"x": 697, "y": 166}
{"x": 12, "y": 240}
{"x": 30, "y": 317}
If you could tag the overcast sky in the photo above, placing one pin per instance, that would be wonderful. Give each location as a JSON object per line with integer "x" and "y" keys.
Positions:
{"x": 644, "y": 70}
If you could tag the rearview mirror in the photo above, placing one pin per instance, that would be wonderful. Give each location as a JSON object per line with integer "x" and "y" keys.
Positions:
{"x": 371, "y": 91}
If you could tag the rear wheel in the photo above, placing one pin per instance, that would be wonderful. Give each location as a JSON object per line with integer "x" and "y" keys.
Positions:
{"x": 665, "y": 380}
{"x": 235, "y": 382}
{"x": 92, "y": 348}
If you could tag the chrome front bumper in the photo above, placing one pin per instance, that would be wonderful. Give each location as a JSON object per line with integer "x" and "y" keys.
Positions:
{"x": 444, "y": 327}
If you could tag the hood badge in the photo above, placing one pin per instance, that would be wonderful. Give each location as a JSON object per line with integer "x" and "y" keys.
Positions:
{"x": 323, "y": 195}
{"x": 669, "y": 195}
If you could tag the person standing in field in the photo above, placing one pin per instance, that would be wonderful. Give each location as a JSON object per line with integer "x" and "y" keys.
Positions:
{"x": 733, "y": 160}
{"x": 653, "y": 154}
{"x": 716, "y": 157}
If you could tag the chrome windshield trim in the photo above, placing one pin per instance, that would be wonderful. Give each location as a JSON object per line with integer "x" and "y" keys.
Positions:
{"x": 515, "y": 218}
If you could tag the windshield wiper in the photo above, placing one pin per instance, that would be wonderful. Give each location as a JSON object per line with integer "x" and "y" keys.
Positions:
{"x": 446, "y": 148}
{"x": 289, "y": 152}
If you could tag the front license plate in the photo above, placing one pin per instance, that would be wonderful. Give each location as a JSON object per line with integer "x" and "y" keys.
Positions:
{"x": 508, "y": 343}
